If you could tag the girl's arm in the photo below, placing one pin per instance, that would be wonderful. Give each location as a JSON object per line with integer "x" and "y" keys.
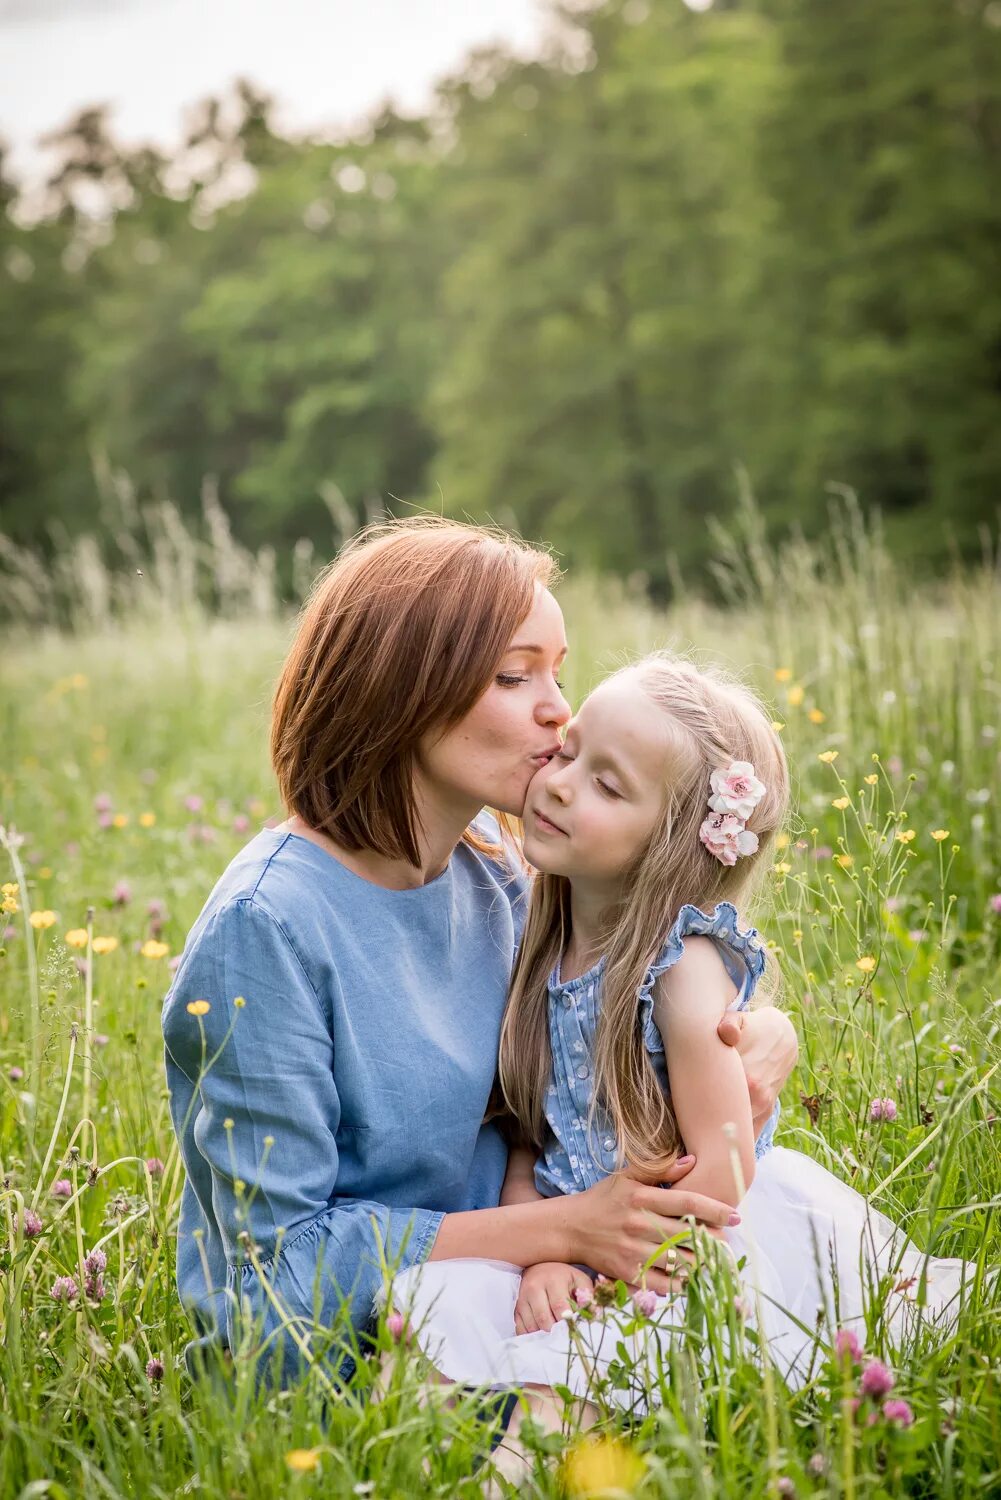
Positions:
{"x": 519, "y": 1180}
{"x": 708, "y": 1086}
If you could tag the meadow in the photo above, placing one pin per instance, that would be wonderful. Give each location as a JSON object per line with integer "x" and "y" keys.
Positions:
{"x": 134, "y": 702}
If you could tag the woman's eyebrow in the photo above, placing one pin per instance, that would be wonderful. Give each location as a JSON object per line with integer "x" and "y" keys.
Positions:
{"x": 537, "y": 650}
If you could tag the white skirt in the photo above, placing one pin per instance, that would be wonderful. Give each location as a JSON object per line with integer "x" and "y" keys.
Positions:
{"x": 810, "y": 1254}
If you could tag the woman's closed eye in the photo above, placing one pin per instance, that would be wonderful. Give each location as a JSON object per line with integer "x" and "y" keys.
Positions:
{"x": 506, "y": 679}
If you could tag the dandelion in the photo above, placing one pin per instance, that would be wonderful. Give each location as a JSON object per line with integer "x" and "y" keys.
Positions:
{"x": 76, "y": 937}
{"x": 154, "y": 1369}
{"x": 147, "y": 820}
{"x": 198, "y": 1007}
{"x": 841, "y": 803}
{"x": 61, "y": 1188}
{"x": 152, "y": 949}
{"x": 876, "y": 1380}
{"x": 302, "y": 1460}
{"x": 64, "y": 1289}
{"x": 899, "y": 1412}
{"x": 154, "y": 1166}
{"x": 105, "y": 944}
{"x": 31, "y": 1224}
{"x": 599, "y": 1465}
{"x": 122, "y": 894}
{"x": 828, "y": 757}
{"x": 938, "y": 834}
{"x": 866, "y": 963}
{"x": 905, "y": 836}
{"x": 816, "y": 716}
{"x": 846, "y": 1345}
{"x": 42, "y": 919}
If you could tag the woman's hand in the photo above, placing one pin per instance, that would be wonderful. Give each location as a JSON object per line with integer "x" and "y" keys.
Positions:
{"x": 546, "y": 1293}
{"x": 767, "y": 1046}
{"x": 620, "y": 1224}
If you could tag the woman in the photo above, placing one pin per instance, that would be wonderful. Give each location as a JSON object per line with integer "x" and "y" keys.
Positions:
{"x": 332, "y": 1030}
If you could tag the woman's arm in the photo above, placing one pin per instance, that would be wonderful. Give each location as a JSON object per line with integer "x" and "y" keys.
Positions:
{"x": 708, "y": 1086}
{"x": 766, "y": 1043}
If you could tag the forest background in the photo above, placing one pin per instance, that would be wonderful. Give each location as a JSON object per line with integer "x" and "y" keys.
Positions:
{"x": 589, "y": 295}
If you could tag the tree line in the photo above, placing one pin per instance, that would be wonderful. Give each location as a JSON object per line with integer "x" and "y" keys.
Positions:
{"x": 581, "y": 295}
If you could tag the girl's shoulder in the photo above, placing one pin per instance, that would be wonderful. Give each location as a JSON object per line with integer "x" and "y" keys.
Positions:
{"x": 742, "y": 950}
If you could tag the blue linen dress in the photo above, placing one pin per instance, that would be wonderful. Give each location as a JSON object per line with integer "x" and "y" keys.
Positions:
{"x": 335, "y": 1115}
{"x": 810, "y": 1253}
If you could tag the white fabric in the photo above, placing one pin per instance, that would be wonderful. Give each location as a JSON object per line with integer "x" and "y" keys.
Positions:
{"x": 798, "y": 1220}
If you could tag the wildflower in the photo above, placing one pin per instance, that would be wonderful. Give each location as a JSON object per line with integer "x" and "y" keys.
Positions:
{"x": 846, "y": 1343}
{"x": 898, "y": 1411}
{"x": 783, "y": 867}
{"x": 883, "y": 1109}
{"x": 742, "y": 1307}
{"x": 174, "y": 963}
{"x": 645, "y": 1300}
{"x": 916, "y": 935}
{"x": 65, "y": 1289}
{"x": 99, "y": 1039}
{"x": 844, "y": 860}
{"x": 198, "y": 1007}
{"x": 61, "y": 1188}
{"x": 103, "y": 803}
{"x": 866, "y": 963}
{"x": 15, "y": 1074}
{"x": 303, "y": 1460}
{"x": 152, "y": 949}
{"x": 905, "y": 836}
{"x": 95, "y": 1262}
{"x": 783, "y": 674}
{"x": 816, "y": 716}
{"x": 841, "y": 803}
{"x": 42, "y": 918}
{"x": 895, "y": 765}
{"x": 76, "y": 937}
{"x": 156, "y": 909}
{"x": 154, "y": 1166}
{"x": 823, "y": 851}
{"x": 871, "y": 779}
{"x": 105, "y": 944}
{"x": 395, "y": 1326}
{"x": 9, "y": 933}
{"x": 194, "y": 804}
{"x": 147, "y": 820}
{"x": 828, "y": 757}
{"x": 785, "y": 1486}
{"x": 31, "y": 1224}
{"x": 104, "y": 820}
{"x": 876, "y": 1380}
{"x": 816, "y": 1464}
{"x": 154, "y": 1369}
{"x": 120, "y": 820}
{"x": 599, "y": 1465}
{"x": 938, "y": 834}
{"x": 122, "y": 893}
{"x": 995, "y": 903}
{"x": 10, "y": 904}
{"x": 778, "y": 725}
{"x": 794, "y": 696}
{"x": 9, "y": 888}
{"x": 241, "y": 823}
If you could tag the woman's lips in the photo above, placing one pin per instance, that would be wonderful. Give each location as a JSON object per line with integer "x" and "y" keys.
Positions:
{"x": 545, "y": 756}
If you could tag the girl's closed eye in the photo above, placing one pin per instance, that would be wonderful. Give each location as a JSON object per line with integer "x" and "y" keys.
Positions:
{"x": 610, "y": 791}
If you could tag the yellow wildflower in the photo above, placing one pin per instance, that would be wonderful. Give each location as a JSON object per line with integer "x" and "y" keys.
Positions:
{"x": 9, "y": 904}
{"x": 257, "y": 808}
{"x": 938, "y": 834}
{"x": 76, "y": 937}
{"x": 778, "y": 725}
{"x": 816, "y": 716}
{"x": 841, "y": 803}
{"x": 905, "y": 836}
{"x": 239, "y": 1002}
{"x": 147, "y": 820}
{"x": 152, "y": 949}
{"x": 866, "y": 963}
{"x": 105, "y": 944}
{"x": 782, "y": 674}
{"x": 121, "y": 820}
{"x": 600, "y": 1466}
{"x": 844, "y": 860}
{"x": 781, "y": 841}
{"x": 794, "y": 696}
{"x": 782, "y": 868}
{"x": 42, "y": 918}
{"x": 198, "y": 1007}
{"x": 45, "y": 873}
{"x": 9, "y": 888}
{"x": 302, "y": 1460}
{"x": 828, "y": 756}
{"x": 797, "y": 936}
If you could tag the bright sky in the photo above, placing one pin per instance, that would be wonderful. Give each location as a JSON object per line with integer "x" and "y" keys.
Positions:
{"x": 328, "y": 62}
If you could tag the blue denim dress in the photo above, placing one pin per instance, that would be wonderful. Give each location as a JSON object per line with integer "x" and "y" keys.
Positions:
{"x": 329, "y": 1100}
{"x": 572, "y": 1160}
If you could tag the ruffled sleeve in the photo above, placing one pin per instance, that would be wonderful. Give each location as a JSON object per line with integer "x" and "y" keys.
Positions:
{"x": 742, "y": 951}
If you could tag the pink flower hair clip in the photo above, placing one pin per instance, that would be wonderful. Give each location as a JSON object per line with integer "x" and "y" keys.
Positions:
{"x": 736, "y": 792}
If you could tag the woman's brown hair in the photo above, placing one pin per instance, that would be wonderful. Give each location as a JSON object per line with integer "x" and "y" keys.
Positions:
{"x": 400, "y": 636}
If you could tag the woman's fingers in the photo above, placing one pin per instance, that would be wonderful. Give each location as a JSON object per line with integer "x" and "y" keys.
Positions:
{"x": 674, "y": 1204}
{"x": 679, "y": 1169}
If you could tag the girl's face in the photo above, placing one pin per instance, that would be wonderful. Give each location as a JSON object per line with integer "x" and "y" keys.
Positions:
{"x": 491, "y": 755}
{"x": 591, "y": 809}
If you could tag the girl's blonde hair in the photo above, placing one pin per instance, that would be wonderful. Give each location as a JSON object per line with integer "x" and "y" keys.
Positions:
{"x": 714, "y": 719}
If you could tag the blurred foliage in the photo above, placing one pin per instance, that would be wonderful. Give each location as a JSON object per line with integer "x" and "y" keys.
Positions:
{"x": 578, "y": 296}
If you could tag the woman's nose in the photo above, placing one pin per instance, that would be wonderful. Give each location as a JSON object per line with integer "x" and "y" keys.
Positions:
{"x": 556, "y": 710}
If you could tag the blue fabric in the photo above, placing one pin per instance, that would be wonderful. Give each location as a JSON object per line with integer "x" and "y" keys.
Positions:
{"x": 340, "y": 1115}
{"x": 571, "y": 1159}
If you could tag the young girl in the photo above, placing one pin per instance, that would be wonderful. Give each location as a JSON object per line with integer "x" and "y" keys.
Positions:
{"x": 648, "y": 829}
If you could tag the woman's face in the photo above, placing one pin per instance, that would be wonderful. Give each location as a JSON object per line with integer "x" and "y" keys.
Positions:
{"x": 491, "y": 755}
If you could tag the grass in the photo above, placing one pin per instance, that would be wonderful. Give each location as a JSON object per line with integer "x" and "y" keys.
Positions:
{"x": 133, "y": 766}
